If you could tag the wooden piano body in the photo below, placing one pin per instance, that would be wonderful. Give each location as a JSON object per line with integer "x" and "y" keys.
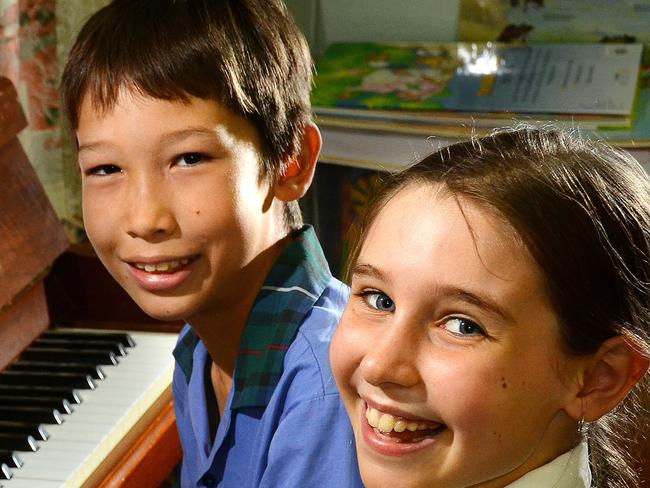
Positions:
{"x": 31, "y": 238}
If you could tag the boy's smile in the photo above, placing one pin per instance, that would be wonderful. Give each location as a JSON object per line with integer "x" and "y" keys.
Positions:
{"x": 448, "y": 337}
{"x": 172, "y": 193}
{"x": 161, "y": 273}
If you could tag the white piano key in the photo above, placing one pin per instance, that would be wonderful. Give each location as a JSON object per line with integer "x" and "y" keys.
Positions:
{"x": 76, "y": 447}
{"x": 65, "y": 462}
{"x": 30, "y": 484}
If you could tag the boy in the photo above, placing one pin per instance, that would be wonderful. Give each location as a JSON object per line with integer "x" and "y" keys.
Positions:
{"x": 195, "y": 142}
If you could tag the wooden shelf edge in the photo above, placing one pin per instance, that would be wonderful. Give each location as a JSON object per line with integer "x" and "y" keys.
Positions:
{"x": 151, "y": 458}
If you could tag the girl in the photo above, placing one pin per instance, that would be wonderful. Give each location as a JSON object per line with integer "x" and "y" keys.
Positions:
{"x": 498, "y": 329}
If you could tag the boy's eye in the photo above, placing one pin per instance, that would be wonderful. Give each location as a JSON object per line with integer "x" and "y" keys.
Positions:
{"x": 190, "y": 159}
{"x": 463, "y": 327}
{"x": 379, "y": 301}
{"x": 104, "y": 170}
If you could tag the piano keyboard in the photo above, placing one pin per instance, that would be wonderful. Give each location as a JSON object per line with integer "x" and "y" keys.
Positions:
{"x": 109, "y": 408}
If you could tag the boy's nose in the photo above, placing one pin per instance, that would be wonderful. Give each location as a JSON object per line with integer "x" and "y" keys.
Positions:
{"x": 391, "y": 358}
{"x": 149, "y": 212}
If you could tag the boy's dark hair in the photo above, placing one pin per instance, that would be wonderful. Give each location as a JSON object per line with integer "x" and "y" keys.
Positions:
{"x": 583, "y": 210}
{"x": 248, "y": 55}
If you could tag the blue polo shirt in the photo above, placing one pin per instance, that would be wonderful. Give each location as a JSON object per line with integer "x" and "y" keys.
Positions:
{"x": 284, "y": 424}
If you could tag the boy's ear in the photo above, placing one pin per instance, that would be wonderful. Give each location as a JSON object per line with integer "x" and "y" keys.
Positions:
{"x": 607, "y": 378}
{"x": 298, "y": 173}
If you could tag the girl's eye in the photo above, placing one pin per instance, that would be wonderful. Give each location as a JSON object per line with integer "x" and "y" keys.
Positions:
{"x": 104, "y": 170}
{"x": 379, "y": 301}
{"x": 190, "y": 159}
{"x": 463, "y": 327}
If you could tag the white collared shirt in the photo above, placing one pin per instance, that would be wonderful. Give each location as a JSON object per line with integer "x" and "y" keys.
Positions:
{"x": 569, "y": 470}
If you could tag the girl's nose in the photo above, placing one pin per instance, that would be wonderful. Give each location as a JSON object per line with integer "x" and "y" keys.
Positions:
{"x": 150, "y": 214}
{"x": 391, "y": 358}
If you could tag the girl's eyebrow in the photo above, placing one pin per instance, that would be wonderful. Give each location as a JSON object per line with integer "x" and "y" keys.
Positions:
{"x": 481, "y": 301}
{"x": 368, "y": 270}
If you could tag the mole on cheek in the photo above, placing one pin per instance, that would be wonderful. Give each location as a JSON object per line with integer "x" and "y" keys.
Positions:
{"x": 503, "y": 383}
{"x": 198, "y": 212}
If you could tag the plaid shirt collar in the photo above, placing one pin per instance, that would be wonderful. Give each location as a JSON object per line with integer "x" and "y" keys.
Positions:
{"x": 290, "y": 290}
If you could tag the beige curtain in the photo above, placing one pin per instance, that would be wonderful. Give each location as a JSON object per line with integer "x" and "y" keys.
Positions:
{"x": 35, "y": 36}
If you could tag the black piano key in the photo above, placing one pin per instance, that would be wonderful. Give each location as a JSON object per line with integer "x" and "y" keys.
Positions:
{"x": 37, "y": 431}
{"x": 31, "y": 414}
{"x": 50, "y": 378}
{"x": 11, "y": 458}
{"x": 61, "y": 404}
{"x": 70, "y": 394}
{"x": 85, "y": 356}
{"x": 5, "y": 472}
{"x": 96, "y": 372}
{"x": 125, "y": 339}
{"x": 69, "y": 343}
{"x": 18, "y": 442}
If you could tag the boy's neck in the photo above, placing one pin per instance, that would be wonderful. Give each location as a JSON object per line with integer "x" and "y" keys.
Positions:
{"x": 221, "y": 384}
{"x": 221, "y": 327}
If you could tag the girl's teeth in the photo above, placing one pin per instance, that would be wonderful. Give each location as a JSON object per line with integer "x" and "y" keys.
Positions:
{"x": 400, "y": 426}
{"x": 387, "y": 423}
{"x": 373, "y": 417}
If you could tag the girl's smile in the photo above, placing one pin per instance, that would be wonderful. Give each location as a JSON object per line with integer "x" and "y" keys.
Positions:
{"x": 448, "y": 354}
{"x": 399, "y": 434}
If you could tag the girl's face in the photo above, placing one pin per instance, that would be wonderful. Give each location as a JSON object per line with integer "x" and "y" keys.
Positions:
{"x": 448, "y": 355}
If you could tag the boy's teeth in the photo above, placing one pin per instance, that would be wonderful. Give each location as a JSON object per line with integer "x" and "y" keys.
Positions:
{"x": 386, "y": 422}
{"x": 168, "y": 266}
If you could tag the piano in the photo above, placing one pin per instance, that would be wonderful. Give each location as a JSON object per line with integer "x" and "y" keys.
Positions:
{"x": 78, "y": 407}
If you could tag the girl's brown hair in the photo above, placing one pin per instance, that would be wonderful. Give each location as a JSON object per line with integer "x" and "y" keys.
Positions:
{"x": 583, "y": 210}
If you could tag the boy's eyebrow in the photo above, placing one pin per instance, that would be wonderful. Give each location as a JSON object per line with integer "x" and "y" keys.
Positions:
{"x": 480, "y": 301}
{"x": 92, "y": 146}
{"x": 169, "y": 137}
{"x": 179, "y": 135}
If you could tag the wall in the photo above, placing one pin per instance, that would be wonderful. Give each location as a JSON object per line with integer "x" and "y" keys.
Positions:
{"x": 326, "y": 21}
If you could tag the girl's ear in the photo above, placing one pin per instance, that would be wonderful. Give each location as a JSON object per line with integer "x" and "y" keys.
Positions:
{"x": 607, "y": 378}
{"x": 294, "y": 181}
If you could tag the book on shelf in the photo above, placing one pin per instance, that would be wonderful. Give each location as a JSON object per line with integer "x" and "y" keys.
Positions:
{"x": 386, "y": 151}
{"x": 462, "y": 87}
{"x": 555, "y": 21}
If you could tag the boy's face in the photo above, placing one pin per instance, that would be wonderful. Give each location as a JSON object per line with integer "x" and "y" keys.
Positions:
{"x": 174, "y": 204}
{"x": 449, "y": 332}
